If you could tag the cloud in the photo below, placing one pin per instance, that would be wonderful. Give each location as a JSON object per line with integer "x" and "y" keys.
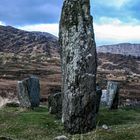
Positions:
{"x": 50, "y": 28}
{"x": 124, "y": 10}
{"x": 2, "y": 23}
{"x": 116, "y": 33}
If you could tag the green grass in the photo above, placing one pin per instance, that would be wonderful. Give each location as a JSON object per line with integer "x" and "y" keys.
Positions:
{"x": 35, "y": 124}
{"x": 38, "y": 124}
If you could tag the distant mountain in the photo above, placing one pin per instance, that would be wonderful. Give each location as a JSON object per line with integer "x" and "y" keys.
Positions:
{"x": 123, "y": 48}
{"x": 13, "y": 40}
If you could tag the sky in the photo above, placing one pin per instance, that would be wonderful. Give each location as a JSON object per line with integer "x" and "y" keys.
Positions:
{"x": 115, "y": 21}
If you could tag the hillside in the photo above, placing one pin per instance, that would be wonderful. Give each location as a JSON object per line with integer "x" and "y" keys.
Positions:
{"x": 122, "y": 48}
{"x": 129, "y": 64}
{"x": 17, "y": 41}
{"x": 25, "y": 53}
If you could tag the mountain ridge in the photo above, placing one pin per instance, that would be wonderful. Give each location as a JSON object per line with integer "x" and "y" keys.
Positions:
{"x": 13, "y": 40}
{"x": 121, "y": 48}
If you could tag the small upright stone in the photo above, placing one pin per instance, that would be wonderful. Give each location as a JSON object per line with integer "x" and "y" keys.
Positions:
{"x": 113, "y": 94}
{"x": 78, "y": 57}
{"x": 23, "y": 94}
{"x": 34, "y": 91}
{"x": 29, "y": 92}
{"x": 98, "y": 97}
{"x": 55, "y": 104}
{"x": 104, "y": 98}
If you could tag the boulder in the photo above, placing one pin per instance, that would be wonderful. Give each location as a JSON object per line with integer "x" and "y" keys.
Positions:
{"x": 78, "y": 62}
{"x": 55, "y": 104}
{"x": 29, "y": 92}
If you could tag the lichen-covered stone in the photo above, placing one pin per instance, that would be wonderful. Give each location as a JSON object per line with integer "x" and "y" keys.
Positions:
{"x": 55, "y": 104}
{"x": 23, "y": 95}
{"x": 29, "y": 92}
{"x": 113, "y": 94}
{"x": 78, "y": 57}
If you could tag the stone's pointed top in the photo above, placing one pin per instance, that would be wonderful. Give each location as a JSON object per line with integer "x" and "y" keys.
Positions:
{"x": 75, "y": 16}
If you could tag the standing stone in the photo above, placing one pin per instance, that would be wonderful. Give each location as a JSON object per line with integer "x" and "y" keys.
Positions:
{"x": 104, "y": 97}
{"x": 55, "y": 104}
{"x": 23, "y": 94}
{"x": 78, "y": 57}
{"x": 98, "y": 97}
{"x": 34, "y": 91}
{"x": 113, "y": 94}
{"x": 29, "y": 92}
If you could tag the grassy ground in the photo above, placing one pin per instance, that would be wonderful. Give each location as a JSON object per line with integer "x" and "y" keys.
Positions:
{"x": 38, "y": 124}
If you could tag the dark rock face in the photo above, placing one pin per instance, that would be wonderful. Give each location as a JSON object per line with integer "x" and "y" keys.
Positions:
{"x": 29, "y": 92}
{"x": 78, "y": 57}
{"x": 98, "y": 97}
{"x": 113, "y": 94}
{"x": 55, "y": 104}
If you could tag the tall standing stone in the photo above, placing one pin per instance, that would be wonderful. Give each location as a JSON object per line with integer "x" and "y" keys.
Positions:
{"x": 78, "y": 57}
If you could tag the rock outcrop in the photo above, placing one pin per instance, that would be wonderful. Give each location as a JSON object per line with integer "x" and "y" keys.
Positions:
{"x": 78, "y": 56}
{"x": 29, "y": 92}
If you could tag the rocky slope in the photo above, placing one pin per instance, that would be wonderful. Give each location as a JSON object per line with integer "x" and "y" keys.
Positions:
{"x": 122, "y": 48}
{"x": 13, "y": 40}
